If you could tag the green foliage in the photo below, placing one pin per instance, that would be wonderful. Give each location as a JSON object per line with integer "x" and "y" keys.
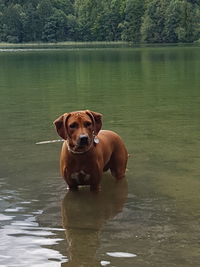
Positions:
{"x": 55, "y": 26}
{"x": 152, "y": 21}
{"x": 85, "y": 14}
{"x": 182, "y": 21}
{"x": 13, "y": 21}
{"x": 173, "y": 21}
{"x": 32, "y": 24}
{"x": 131, "y": 26}
{"x": 152, "y": 28}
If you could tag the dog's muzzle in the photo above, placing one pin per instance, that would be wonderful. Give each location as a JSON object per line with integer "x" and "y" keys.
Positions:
{"x": 83, "y": 140}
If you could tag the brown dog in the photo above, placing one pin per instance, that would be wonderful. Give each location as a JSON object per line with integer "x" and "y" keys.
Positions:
{"x": 87, "y": 152}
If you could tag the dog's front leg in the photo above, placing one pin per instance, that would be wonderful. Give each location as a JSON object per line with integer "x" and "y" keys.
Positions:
{"x": 71, "y": 179}
{"x": 95, "y": 180}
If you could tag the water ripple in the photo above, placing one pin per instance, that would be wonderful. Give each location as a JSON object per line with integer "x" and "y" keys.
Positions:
{"x": 121, "y": 254}
{"x": 24, "y": 241}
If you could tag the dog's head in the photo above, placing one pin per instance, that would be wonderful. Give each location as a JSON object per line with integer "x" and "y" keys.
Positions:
{"x": 79, "y": 128}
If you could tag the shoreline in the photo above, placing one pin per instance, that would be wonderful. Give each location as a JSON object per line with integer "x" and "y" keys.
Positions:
{"x": 95, "y": 44}
{"x": 68, "y": 43}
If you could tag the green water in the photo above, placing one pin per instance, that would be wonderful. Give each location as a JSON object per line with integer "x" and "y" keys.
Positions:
{"x": 151, "y": 97}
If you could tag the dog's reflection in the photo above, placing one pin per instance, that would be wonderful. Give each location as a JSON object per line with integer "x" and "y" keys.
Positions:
{"x": 84, "y": 213}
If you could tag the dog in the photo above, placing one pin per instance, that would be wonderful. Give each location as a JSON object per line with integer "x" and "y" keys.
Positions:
{"x": 88, "y": 151}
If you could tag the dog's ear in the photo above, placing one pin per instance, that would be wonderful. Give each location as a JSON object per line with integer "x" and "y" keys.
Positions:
{"x": 97, "y": 120}
{"x": 60, "y": 124}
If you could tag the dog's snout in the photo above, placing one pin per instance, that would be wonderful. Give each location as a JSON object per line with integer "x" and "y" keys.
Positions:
{"x": 83, "y": 139}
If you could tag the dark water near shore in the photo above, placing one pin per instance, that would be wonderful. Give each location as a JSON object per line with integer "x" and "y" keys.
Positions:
{"x": 151, "y": 97}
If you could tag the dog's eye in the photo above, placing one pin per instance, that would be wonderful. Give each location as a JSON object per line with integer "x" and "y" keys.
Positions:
{"x": 73, "y": 125}
{"x": 87, "y": 124}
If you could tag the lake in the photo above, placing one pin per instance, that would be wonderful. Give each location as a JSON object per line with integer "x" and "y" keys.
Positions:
{"x": 151, "y": 97}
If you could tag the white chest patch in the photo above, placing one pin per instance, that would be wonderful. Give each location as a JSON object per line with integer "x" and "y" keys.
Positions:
{"x": 80, "y": 177}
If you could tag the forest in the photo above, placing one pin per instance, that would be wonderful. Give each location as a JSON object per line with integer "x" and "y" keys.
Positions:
{"x": 137, "y": 21}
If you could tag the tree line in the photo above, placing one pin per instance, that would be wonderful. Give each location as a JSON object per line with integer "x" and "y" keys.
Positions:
{"x": 152, "y": 21}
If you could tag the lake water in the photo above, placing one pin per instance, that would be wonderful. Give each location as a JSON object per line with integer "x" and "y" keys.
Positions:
{"x": 151, "y": 97}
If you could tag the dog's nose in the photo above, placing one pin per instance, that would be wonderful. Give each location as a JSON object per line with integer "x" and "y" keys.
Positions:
{"x": 83, "y": 139}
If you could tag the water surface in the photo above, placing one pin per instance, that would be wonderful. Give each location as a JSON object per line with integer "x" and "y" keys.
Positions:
{"x": 151, "y": 97}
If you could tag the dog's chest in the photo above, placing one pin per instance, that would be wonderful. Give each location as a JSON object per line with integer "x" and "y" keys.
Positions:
{"x": 80, "y": 177}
